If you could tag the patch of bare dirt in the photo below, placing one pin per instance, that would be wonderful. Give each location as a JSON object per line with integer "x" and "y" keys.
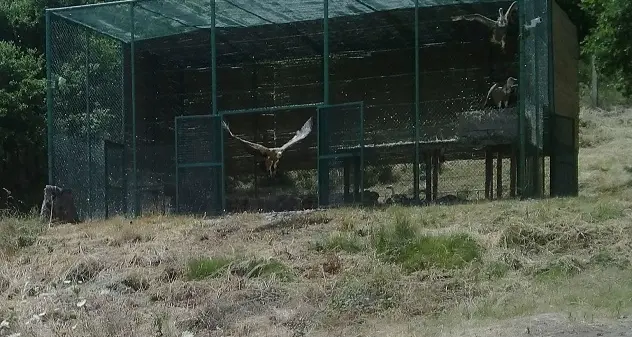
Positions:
{"x": 550, "y": 325}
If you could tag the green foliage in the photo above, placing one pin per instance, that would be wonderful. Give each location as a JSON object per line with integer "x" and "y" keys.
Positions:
{"x": 201, "y": 268}
{"x": 337, "y": 241}
{"x": 22, "y": 21}
{"x": 400, "y": 243}
{"x": 87, "y": 85}
{"x": 22, "y": 118}
{"x": 17, "y": 233}
{"x": 610, "y": 40}
{"x": 252, "y": 268}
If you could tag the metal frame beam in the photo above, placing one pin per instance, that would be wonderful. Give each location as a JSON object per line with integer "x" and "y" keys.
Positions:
{"x": 101, "y": 4}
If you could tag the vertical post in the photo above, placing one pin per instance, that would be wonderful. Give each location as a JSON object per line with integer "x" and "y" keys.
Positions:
{"x": 594, "y": 82}
{"x": 215, "y": 112}
{"x": 49, "y": 99}
{"x": 428, "y": 174}
{"x": 133, "y": 74}
{"x": 435, "y": 174}
{"x": 499, "y": 175}
{"x": 326, "y": 52}
{"x": 513, "y": 170}
{"x": 537, "y": 162}
{"x": 176, "y": 128}
{"x": 322, "y": 175}
{"x": 489, "y": 174}
{"x": 551, "y": 87}
{"x": 361, "y": 153}
{"x": 123, "y": 126}
{"x": 88, "y": 116}
{"x": 416, "y": 166}
{"x": 213, "y": 61}
{"x": 520, "y": 170}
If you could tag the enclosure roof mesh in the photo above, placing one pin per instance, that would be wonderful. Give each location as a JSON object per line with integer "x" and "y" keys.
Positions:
{"x": 158, "y": 18}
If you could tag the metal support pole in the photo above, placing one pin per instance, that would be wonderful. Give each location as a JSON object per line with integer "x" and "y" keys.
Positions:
{"x": 134, "y": 141}
{"x": 322, "y": 175}
{"x": 88, "y": 116}
{"x": 521, "y": 178}
{"x": 326, "y": 52}
{"x": 416, "y": 166}
{"x": 222, "y": 182}
{"x": 49, "y": 99}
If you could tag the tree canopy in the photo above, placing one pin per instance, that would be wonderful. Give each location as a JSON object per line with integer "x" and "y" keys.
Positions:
{"x": 611, "y": 40}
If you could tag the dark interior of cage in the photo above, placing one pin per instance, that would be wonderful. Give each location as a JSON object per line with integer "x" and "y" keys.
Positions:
{"x": 372, "y": 60}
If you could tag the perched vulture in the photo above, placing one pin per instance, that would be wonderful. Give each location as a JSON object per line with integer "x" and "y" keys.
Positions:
{"x": 500, "y": 94}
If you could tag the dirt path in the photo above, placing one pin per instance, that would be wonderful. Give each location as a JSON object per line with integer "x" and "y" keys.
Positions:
{"x": 550, "y": 325}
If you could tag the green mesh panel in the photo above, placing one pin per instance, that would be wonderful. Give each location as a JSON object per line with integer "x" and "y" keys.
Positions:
{"x": 199, "y": 187}
{"x": 340, "y": 154}
{"x": 115, "y": 179}
{"x": 248, "y": 185}
{"x": 158, "y": 18}
{"x": 87, "y": 110}
{"x": 270, "y": 55}
{"x": 534, "y": 89}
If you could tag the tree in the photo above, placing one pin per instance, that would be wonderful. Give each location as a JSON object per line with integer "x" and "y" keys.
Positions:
{"x": 22, "y": 120}
{"x": 610, "y": 40}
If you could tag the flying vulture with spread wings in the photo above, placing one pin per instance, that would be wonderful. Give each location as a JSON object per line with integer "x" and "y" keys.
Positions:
{"x": 498, "y": 26}
{"x": 272, "y": 155}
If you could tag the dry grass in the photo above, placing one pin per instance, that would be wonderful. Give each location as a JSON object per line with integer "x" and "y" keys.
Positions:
{"x": 391, "y": 272}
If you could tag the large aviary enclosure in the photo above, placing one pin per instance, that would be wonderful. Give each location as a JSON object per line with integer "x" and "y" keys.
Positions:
{"x": 138, "y": 91}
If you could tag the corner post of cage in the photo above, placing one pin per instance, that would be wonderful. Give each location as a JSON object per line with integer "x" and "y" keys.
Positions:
{"x": 133, "y": 80}
{"x": 214, "y": 108}
{"x": 520, "y": 176}
{"x": 551, "y": 89}
{"x": 49, "y": 98}
{"x": 322, "y": 179}
{"x": 106, "y": 173}
{"x": 89, "y": 128}
{"x": 175, "y": 133}
{"x": 417, "y": 110}
{"x": 362, "y": 153}
{"x": 326, "y": 52}
{"x": 123, "y": 126}
{"x": 537, "y": 172}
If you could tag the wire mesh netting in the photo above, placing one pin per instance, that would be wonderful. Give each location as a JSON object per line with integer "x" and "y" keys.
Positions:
{"x": 340, "y": 154}
{"x": 249, "y": 184}
{"x": 121, "y": 74}
{"x": 199, "y": 186}
{"x": 87, "y": 116}
{"x": 535, "y": 91}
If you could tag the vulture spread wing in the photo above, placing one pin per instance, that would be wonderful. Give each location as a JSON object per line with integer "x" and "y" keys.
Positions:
{"x": 489, "y": 93}
{"x": 300, "y": 134}
{"x": 253, "y": 148}
{"x": 476, "y": 17}
{"x": 511, "y": 8}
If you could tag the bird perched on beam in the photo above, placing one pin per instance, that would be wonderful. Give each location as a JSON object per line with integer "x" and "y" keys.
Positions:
{"x": 272, "y": 156}
{"x": 500, "y": 94}
{"x": 498, "y": 26}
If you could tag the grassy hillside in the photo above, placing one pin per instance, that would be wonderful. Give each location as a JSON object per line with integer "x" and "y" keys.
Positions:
{"x": 432, "y": 271}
